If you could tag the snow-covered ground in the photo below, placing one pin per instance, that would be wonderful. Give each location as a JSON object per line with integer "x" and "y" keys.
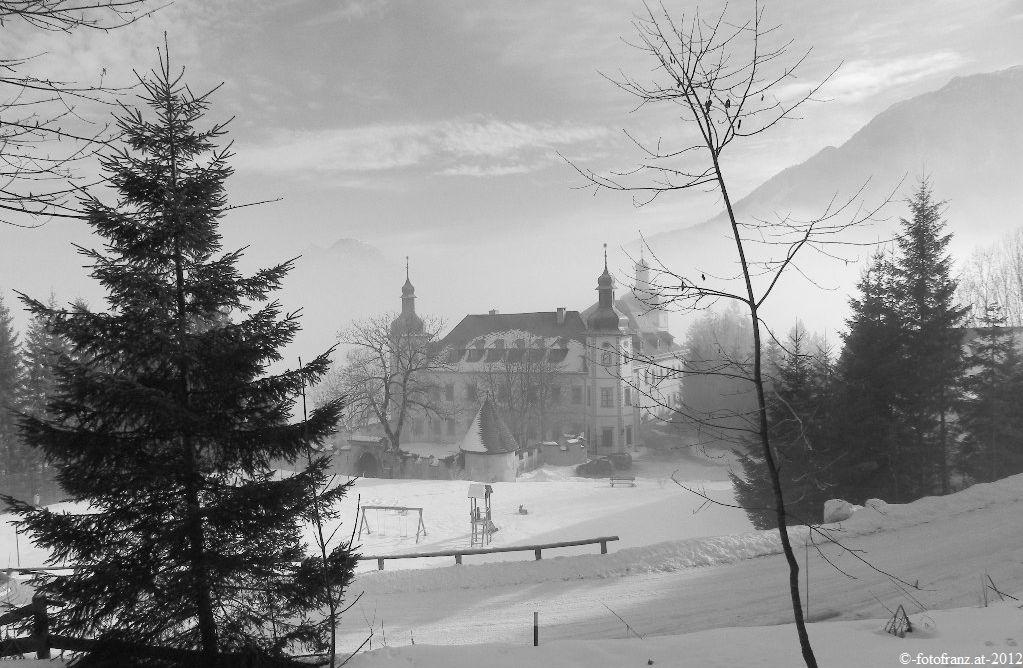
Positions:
{"x": 993, "y": 632}
{"x": 938, "y": 547}
{"x": 560, "y": 507}
{"x": 694, "y": 580}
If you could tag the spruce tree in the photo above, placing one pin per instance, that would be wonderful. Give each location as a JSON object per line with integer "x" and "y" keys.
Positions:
{"x": 11, "y": 450}
{"x": 40, "y": 352}
{"x": 165, "y": 422}
{"x": 932, "y": 338}
{"x": 990, "y": 412}
{"x": 869, "y": 370}
{"x": 797, "y": 414}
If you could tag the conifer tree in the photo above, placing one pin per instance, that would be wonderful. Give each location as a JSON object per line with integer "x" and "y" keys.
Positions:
{"x": 932, "y": 350}
{"x": 990, "y": 412}
{"x": 40, "y": 352}
{"x": 869, "y": 371}
{"x": 166, "y": 422}
{"x": 11, "y": 451}
{"x": 797, "y": 408}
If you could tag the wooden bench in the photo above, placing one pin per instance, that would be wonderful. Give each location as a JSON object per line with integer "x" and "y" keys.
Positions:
{"x": 629, "y": 480}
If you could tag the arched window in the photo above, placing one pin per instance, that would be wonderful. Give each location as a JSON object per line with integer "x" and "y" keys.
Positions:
{"x": 607, "y": 356}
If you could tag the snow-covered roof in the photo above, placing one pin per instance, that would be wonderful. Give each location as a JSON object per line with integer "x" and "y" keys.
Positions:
{"x": 488, "y": 434}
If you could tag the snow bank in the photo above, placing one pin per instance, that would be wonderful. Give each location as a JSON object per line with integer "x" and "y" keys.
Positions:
{"x": 881, "y": 516}
{"x": 837, "y": 510}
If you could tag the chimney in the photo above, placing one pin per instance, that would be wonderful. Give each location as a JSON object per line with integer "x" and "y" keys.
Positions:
{"x": 561, "y": 315}
{"x": 493, "y": 311}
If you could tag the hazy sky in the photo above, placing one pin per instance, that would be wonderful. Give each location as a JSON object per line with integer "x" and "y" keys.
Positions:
{"x": 431, "y": 128}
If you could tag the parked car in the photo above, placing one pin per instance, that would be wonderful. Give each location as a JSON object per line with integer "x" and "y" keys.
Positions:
{"x": 622, "y": 461}
{"x": 595, "y": 468}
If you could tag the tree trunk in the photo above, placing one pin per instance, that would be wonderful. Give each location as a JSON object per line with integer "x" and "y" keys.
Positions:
{"x": 765, "y": 442}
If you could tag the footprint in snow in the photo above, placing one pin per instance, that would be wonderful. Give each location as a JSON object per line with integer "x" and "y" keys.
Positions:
{"x": 1010, "y": 642}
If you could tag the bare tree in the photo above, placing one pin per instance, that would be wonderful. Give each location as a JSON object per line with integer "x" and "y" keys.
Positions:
{"x": 994, "y": 275}
{"x": 730, "y": 81}
{"x": 42, "y": 134}
{"x": 523, "y": 386}
{"x": 390, "y": 375}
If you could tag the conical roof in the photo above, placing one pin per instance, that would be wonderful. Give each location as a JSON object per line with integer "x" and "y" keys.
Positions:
{"x": 488, "y": 434}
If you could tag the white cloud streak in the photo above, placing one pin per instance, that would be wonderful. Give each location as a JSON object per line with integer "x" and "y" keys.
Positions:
{"x": 858, "y": 80}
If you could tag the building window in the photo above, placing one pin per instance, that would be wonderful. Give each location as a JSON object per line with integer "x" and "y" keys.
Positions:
{"x": 606, "y": 356}
{"x": 577, "y": 395}
{"x": 607, "y": 438}
{"x": 606, "y": 398}
{"x": 449, "y": 392}
{"x": 628, "y": 435}
{"x": 628, "y": 396}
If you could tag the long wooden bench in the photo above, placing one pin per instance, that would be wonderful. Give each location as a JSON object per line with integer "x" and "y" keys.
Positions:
{"x": 629, "y": 480}
{"x": 458, "y": 554}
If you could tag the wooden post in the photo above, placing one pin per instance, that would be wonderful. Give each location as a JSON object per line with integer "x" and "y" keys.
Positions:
{"x": 458, "y": 559}
{"x": 537, "y": 553}
{"x": 380, "y": 564}
{"x": 536, "y": 629}
{"x": 603, "y": 547}
{"x": 41, "y": 627}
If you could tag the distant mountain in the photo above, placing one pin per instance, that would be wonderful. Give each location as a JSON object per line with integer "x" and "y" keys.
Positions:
{"x": 966, "y": 137}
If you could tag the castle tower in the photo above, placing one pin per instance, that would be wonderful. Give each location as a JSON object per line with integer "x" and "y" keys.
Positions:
{"x": 645, "y": 292}
{"x": 408, "y": 323}
{"x": 609, "y": 345}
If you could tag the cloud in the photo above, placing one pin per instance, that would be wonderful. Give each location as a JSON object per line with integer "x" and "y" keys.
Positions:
{"x": 464, "y": 147}
{"x": 857, "y": 80}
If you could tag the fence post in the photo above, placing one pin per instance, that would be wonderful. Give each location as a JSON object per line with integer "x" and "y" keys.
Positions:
{"x": 458, "y": 559}
{"x": 41, "y": 627}
{"x": 603, "y": 547}
{"x": 536, "y": 629}
{"x": 380, "y": 564}
{"x": 537, "y": 553}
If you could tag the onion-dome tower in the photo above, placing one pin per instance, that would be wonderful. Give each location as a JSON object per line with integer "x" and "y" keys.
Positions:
{"x": 606, "y": 318}
{"x": 407, "y": 323}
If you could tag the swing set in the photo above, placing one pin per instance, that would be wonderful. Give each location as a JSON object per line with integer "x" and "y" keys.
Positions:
{"x": 401, "y": 512}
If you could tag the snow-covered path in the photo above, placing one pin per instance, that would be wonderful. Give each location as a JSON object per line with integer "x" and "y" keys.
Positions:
{"x": 947, "y": 544}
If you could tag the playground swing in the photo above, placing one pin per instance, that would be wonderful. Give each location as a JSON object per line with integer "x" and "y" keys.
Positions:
{"x": 401, "y": 523}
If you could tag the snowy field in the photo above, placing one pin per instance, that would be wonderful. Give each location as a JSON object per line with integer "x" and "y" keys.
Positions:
{"x": 560, "y": 507}
{"x": 696, "y": 582}
{"x": 993, "y": 632}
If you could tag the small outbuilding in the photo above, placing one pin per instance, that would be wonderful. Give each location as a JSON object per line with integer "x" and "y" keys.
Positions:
{"x": 490, "y": 449}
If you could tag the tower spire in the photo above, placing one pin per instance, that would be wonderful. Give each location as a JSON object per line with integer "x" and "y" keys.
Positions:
{"x": 406, "y": 268}
{"x": 605, "y": 256}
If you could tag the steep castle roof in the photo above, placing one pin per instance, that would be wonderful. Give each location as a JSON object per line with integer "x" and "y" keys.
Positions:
{"x": 488, "y": 434}
{"x": 542, "y": 324}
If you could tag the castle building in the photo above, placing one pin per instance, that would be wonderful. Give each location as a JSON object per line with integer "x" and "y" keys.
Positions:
{"x": 553, "y": 376}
